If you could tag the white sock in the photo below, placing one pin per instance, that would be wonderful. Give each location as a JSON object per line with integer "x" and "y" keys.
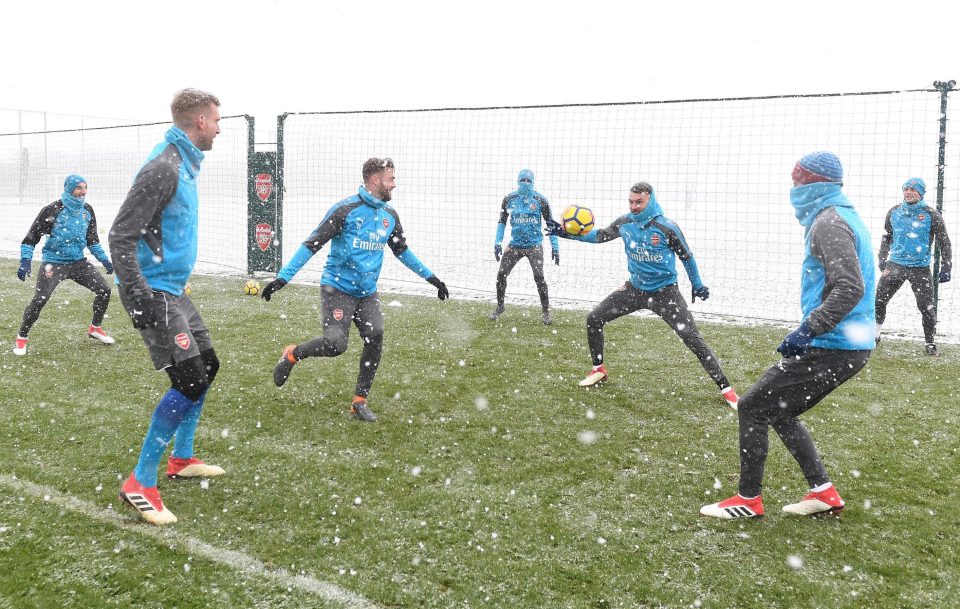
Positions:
{"x": 822, "y": 487}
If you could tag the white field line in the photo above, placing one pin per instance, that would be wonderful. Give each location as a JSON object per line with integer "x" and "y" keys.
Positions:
{"x": 238, "y": 561}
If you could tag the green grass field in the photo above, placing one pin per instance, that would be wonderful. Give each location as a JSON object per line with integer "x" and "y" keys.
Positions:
{"x": 491, "y": 479}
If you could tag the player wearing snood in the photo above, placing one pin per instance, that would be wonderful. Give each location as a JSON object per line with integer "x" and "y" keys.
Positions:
{"x": 358, "y": 229}
{"x": 831, "y": 345}
{"x": 652, "y": 243}
{"x": 525, "y": 207}
{"x": 70, "y": 227}
{"x": 906, "y": 249}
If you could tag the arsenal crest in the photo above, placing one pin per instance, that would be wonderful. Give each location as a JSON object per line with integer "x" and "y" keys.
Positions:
{"x": 655, "y": 240}
{"x": 263, "y": 185}
{"x": 182, "y": 340}
{"x": 338, "y": 314}
{"x": 264, "y": 234}
{"x": 386, "y": 223}
{"x": 921, "y": 217}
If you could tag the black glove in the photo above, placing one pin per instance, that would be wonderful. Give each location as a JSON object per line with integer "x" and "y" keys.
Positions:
{"x": 797, "y": 342}
{"x": 882, "y": 264}
{"x": 497, "y": 252}
{"x": 555, "y": 229}
{"x": 944, "y": 276}
{"x": 148, "y": 312}
{"x": 555, "y": 255}
{"x": 24, "y": 271}
{"x": 703, "y": 293}
{"x": 270, "y": 288}
{"x": 108, "y": 266}
{"x": 442, "y": 292}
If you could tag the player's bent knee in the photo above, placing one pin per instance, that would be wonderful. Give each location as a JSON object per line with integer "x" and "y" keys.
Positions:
{"x": 189, "y": 377}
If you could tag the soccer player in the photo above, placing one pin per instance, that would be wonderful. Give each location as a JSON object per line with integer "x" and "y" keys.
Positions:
{"x": 525, "y": 207}
{"x": 70, "y": 226}
{"x": 829, "y": 347}
{"x": 652, "y": 242}
{"x": 909, "y": 231}
{"x": 359, "y": 228}
{"x": 154, "y": 245}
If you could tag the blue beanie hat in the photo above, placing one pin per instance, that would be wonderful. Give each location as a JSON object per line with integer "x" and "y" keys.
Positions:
{"x": 818, "y": 167}
{"x": 71, "y": 183}
{"x": 525, "y": 176}
{"x": 917, "y": 184}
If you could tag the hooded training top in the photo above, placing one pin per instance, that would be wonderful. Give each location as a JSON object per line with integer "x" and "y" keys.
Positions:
{"x": 652, "y": 243}
{"x": 909, "y": 231}
{"x": 359, "y": 228}
{"x": 837, "y": 283}
{"x": 71, "y": 226}
{"x": 524, "y": 207}
{"x": 154, "y": 236}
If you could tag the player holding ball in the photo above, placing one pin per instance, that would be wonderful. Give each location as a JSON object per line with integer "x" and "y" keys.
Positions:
{"x": 652, "y": 243}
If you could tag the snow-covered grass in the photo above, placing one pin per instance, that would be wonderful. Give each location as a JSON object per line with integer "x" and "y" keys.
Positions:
{"x": 491, "y": 479}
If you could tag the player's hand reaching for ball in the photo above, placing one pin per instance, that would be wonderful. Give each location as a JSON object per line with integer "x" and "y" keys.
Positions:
{"x": 272, "y": 287}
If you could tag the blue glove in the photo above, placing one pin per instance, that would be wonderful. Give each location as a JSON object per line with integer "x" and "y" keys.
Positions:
{"x": 555, "y": 256}
{"x": 108, "y": 266}
{"x": 944, "y": 276}
{"x": 497, "y": 252}
{"x": 24, "y": 271}
{"x": 554, "y": 229}
{"x": 703, "y": 293}
{"x": 797, "y": 342}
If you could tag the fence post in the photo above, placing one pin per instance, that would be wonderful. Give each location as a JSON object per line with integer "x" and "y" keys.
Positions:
{"x": 281, "y": 188}
{"x": 263, "y": 207}
{"x": 944, "y": 88}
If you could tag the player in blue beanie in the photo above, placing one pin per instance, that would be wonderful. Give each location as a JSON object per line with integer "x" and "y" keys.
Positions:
{"x": 832, "y": 343}
{"x": 906, "y": 249}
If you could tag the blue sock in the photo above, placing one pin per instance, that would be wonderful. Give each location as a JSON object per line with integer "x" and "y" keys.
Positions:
{"x": 183, "y": 439}
{"x": 170, "y": 411}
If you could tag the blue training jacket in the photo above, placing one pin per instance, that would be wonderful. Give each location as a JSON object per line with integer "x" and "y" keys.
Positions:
{"x": 909, "y": 232}
{"x": 70, "y": 226}
{"x": 154, "y": 236}
{"x": 652, "y": 243}
{"x": 525, "y": 207}
{"x": 359, "y": 228}
{"x": 838, "y": 282}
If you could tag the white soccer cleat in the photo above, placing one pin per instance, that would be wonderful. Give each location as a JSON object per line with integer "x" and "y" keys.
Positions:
{"x": 815, "y": 504}
{"x": 20, "y": 346}
{"x": 192, "y": 468}
{"x": 146, "y": 501}
{"x": 100, "y": 334}
{"x": 733, "y": 508}
{"x": 597, "y": 375}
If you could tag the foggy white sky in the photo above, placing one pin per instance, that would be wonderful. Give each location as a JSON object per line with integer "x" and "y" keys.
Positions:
{"x": 125, "y": 59}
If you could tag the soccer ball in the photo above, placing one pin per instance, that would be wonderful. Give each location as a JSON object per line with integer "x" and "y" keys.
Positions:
{"x": 187, "y": 289}
{"x": 577, "y": 220}
{"x": 251, "y": 287}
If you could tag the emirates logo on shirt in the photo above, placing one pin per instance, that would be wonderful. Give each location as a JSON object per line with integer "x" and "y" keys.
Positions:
{"x": 182, "y": 340}
{"x": 338, "y": 314}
